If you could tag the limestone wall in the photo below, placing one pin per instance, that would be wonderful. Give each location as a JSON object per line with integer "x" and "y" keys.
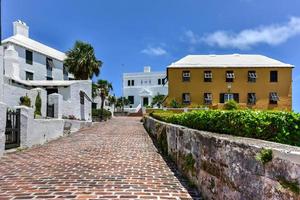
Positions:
{"x": 227, "y": 167}
{"x": 3, "y": 109}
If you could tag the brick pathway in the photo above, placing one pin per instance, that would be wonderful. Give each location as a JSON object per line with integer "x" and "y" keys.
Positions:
{"x": 111, "y": 160}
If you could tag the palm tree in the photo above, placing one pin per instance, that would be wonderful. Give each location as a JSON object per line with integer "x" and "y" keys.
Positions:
{"x": 158, "y": 100}
{"x": 82, "y": 62}
{"x": 112, "y": 100}
{"x": 121, "y": 102}
{"x": 105, "y": 87}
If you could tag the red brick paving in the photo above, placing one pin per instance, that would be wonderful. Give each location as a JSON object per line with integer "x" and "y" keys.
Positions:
{"x": 111, "y": 160}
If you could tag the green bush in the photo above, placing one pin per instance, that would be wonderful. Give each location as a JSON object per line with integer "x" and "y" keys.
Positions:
{"x": 25, "y": 101}
{"x": 97, "y": 112}
{"x": 175, "y": 104}
{"x": 282, "y": 127}
{"x": 38, "y": 105}
{"x": 231, "y": 105}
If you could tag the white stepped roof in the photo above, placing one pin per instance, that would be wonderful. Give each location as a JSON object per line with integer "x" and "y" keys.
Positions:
{"x": 35, "y": 46}
{"x": 232, "y": 60}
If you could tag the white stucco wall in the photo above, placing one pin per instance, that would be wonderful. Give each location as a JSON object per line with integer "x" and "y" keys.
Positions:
{"x": 73, "y": 106}
{"x": 57, "y": 101}
{"x": 1, "y": 74}
{"x": 38, "y": 66}
{"x": 13, "y": 93}
{"x": 143, "y": 81}
{"x": 3, "y": 108}
{"x": 38, "y": 131}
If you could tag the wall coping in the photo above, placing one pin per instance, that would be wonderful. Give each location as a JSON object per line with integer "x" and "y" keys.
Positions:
{"x": 284, "y": 151}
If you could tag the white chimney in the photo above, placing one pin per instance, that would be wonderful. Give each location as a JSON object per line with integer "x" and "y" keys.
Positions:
{"x": 20, "y": 28}
{"x": 147, "y": 69}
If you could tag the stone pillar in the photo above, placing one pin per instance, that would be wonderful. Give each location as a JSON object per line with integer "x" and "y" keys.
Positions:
{"x": 27, "y": 117}
{"x": 3, "y": 109}
{"x": 57, "y": 100}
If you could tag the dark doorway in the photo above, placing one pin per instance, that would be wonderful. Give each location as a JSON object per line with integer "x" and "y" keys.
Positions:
{"x": 145, "y": 101}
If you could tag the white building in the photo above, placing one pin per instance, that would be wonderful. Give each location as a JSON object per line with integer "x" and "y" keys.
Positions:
{"x": 141, "y": 87}
{"x": 31, "y": 67}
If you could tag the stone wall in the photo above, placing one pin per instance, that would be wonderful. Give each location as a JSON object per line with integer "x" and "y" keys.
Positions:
{"x": 228, "y": 167}
{"x": 38, "y": 131}
{"x": 3, "y": 109}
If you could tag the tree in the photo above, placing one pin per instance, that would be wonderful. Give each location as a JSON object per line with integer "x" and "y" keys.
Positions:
{"x": 112, "y": 100}
{"x": 95, "y": 90}
{"x": 38, "y": 105}
{"x": 158, "y": 100}
{"x": 82, "y": 62}
{"x": 105, "y": 87}
{"x": 121, "y": 102}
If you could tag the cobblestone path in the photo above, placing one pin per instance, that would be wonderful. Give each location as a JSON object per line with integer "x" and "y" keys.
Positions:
{"x": 111, "y": 160}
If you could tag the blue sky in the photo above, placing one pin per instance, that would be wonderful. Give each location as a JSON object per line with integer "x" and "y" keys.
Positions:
{"x": 128, "y": 35}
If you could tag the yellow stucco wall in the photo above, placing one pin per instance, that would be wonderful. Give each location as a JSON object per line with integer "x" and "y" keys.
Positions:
{"x": 262, "y": 87}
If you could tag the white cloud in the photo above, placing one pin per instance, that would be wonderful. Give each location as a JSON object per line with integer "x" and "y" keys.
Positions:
{"x": 192, "y": 37}
{"x": 154, "y": 51}
{"x": 274, "y": 34}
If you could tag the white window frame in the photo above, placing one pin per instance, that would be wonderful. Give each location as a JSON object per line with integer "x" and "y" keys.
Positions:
{"x": 186, "y": 74}
{"x": 228, "y": 96}
{"x": 230, "y": 75}
{"x": 207, "y": 74}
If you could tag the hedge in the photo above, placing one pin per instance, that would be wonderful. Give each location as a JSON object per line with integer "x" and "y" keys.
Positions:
{"x": 97, "y": 112}
{"x": 281, "y": 127}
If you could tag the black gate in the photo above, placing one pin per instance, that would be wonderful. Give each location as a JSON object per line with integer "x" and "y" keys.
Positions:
{"x": 50, "y": 110}
{"x": 12, "y": 130}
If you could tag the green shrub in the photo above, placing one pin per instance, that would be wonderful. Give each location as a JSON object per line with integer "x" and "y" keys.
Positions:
{"x": 264, "y": 156}
{"x": 38, "y": 105}
{"x": 97, "y": 112}
{"x": 25, "y": 101}
{"x": 282, "y": 127}
{"x": 175, "y": 104}
{"x": 291, "y": 185}
{"x": 231, "y": 105}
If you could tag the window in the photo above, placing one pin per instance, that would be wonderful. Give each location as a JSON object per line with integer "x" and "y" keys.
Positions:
{"x": 207, "y": 76}
{"x": 29, "y": 76}
{"x": 159, "y": 81}
{"x": 49, "y": 78}
{"x": 207, "y": 98}
{"x": 252, "y": 76}
{"x": 251, "y": 98}
{"x": 29, "y": 57}
{"x": 163, "y": 81}
{"x": 186, "y": 76}
{"x": 65, "y": 73}
{"x": 229, "y": 76}
{"x": 132, "y": 82}
{"x": 131, "y": 99}
{"x": 49, "y": 64}
{"x": 273, "y": 98}
{"x": 224, "y": 97}
{"x": 128, "y": 83}
{"x": 273, "y": 76}
{"x": 186, "y": 99}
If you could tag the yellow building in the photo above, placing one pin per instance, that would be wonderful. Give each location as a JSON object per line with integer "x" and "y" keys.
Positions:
{"x": 254, "y": 81}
